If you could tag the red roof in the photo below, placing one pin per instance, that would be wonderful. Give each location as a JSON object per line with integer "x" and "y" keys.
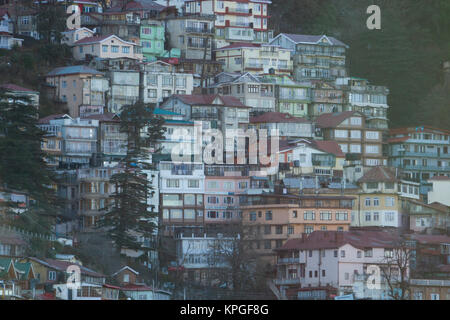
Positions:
{"x": 14, "y": 87}
{"x": 379, "y": 174}
{"x": 431, "y": 239}
{"x": 46, "y": 120}
{"x": 397, "y": 139}
{"x": 63, "y": 265}
{"x": 329, "y": 147}
{"x": 335, "y": 239}
{"x": 331, "y": 120}
{"x": 3, "y": 11}
{"x": 237, "y": 45}
{"x": 277, "y": 117}
{"x": 207, "y": 99}
{"x": 93, "y": 39}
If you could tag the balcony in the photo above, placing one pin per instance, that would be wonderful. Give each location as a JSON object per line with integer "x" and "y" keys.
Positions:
{"x": 421, "y": 154}
{"x": 288, "y": 260}
{"x": 265, "y": 53}
{"x": 286, "y": 281}
{"x": 199, "y": 30}
{"x": 205, "y": 115}
{"x": 426, "y": 168}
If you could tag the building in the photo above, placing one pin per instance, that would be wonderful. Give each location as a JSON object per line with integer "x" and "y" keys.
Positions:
{"x": 15, "y": 91}
{"x": 310, "y": 157}
{"x": 290, "y": 97}
{"x": 152, "y": 38}
{"x": 181, "y": 188}
{"x": 368, "y": 99}
{"x": 161, "y": 81}
{"x": 124, "y": 86}
{"x": 378, "y": 203}
{"x": 421, "y": 153}
{"x": 288, "y": 126}
{"x": 427, "y": 218}
{"x": 7, "y": 40}
{"x": 248, "y": 88}
{"x": 314, "y": 57}
{"x": 191, "y": 34}
{"x": 77, "y": 86}
{"x": 326, "y": 98}
{"x": 430, "y": 289}
{"x": 72, "y": 36}
{"x": 256, "y": 58}
{"x": 105, "y": 47}
{"x": 334, "y": 259}
{"x": 237, "y": 21}
{"x": 349, "y": 130}
{"x": 438, "y": 191}
{"x": 269, "y": 220}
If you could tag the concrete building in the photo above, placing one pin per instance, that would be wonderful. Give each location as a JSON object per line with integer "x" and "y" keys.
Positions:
{"x": 152, "y": 38}
{"x": 326, "y": 98}
{"x": 314, "y": 57}
{"x": 256, "y": 58}
{"x": 289, "y": 127}
{"x": 439, "y": 190}
{"x": 7, "y": 40}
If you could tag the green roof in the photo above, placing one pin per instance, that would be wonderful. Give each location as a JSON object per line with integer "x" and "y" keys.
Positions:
{"x": 24, "y": 268}
{"x": 160, "y": 111}
{"x": 4, "y": 267}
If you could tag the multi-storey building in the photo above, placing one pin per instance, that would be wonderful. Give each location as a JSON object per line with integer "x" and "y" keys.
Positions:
{"x": 161, "y": 81}
{"x": 124, "y": 89}
{"x": 192, "y": 35}
{"x": 290, "y": 96}
{"x": 7, "y": 40}
{"x": 270, "y": 219}
{"x": 314, "y": 57}
{"x": 17, "y": 92}
{"x": 349, "y": 130}
{"x": 426, "y": 218}
{"x": 421, "y": 152}
{"x": 257, "y": 58}
{"x": 438, "y": 191}
{"x": 368, "y": 99}
{"x": 326, "y": 98}
{"x": 289, "y": 127}
{"x": 236, "y": 20}
{"x": 181, "y": 188}
{"x": 335, "y": 262}
{"x": 248, "y": 88}
{"x": 109, "y": 46}
{"x": 224, "y": 186}
{"x": 152, "y": 37}
{"x": 77, "y": 86}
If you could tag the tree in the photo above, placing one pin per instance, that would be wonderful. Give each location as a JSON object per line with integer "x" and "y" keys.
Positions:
{"x": 130, "y": 215}
{"x": 23, "y": 168}
{"x": 396, "y": 270}
{"x": 51, "y": 21}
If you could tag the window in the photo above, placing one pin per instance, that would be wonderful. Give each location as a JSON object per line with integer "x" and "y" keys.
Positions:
{"x": 309, "y": 215}
{"x": 193, "y": 183}
{"x": 294, "y": 214}
{"x": 376, "y": 216}
{"x": 434, "y": 296}
{"x": 268, "y": 215}
{"x": 114, "y": 49}
{"x": 367, "y": 202}
{"x": 372, "y": 135}
{"x": 376, "y": 202}
{"x": 325, "y": 216}
{"x": 368, "y": 253}
{"x": 213, "y": 200}
{"x": 335, "y": 253}
{"x": 267, "y": 244}
{"x": 309, "y": 229}
{"x": 389, "y": 216}
{"x": 253, "y": 89}
{"x": 152, "y": 93}
{"x": 372, "y": 185}
{"x": 372, "y": 149}
{"x": 388, "y": 253}
{"x": 52, "y": 275}
{"x": 279, "y": 229}
{"x": 252, "y": 216}
{"x": 368, "y": 216}
{"x": 290, "y": 230}
{"x": 359, "y": 254}
{"x": 340, "y": 133}
{"x": 267, "y": 229}
{"x": 126, "y": 278}
{"x": 355, "y": 134}
{"x": 323, "y": 273}
{"x": 342, "y": 253}
{"x": 355, "y": 148}
{"x": 125, "y": 49}
{"x": 341, "y": 216}
{"x": 390, "y": 202}
{"x": 355, "y": 121}
{"x": 172, "y": 183}
{"x": 212, "y": 214}
{"x": 389, "y": 185}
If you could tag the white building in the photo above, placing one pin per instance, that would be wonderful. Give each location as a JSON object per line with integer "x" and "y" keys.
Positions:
{"x": 440, "y": 190}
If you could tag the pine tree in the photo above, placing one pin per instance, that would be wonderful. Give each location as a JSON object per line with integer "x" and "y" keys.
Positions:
{"x": 23, "y": 168}
{"x": 129, "y": 215}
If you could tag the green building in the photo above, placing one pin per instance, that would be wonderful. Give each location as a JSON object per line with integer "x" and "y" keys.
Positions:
{"x": 152, "y": 37}
{"x": 290, "y": 96}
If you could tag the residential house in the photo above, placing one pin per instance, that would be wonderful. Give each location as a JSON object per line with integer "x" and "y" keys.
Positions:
{"x": 161, "y": 81}
{"x": 288, "y": 126}
{"x": 427, "y": 218}
{"x": 77, "y": 86}
{"x": 378, "y": 202}
{"x": 190, "y": 34}
{"x": 368, "y": 99}
{"x": 439, "y": 189}
{"x": 421, "y": 152}
{"x": 269, "y": 220}
{"x": 12, "y": 244}
{"x": 109, "y": 46}
{"x": 15, "y": 278}
{"x": 314, "y": 57}
{"x": 248, "y": 88}
{"x": 256, "y": 58}
{"x": 7, "y": 40}
{"x": 17, "y": 92}
{"x": 430, "y": 289}
{"x": 349, "y": 130}
{"x": 326, "y": 98}
{"x": 291, "y": 97}
{"x": 152, "y": 39}
{"x": 339, "y": 260}
{"x": 236, "y": 21}
{"x": 72, "y": 36}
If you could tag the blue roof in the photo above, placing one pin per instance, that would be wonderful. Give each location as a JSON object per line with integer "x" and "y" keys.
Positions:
{"x": 160, "y": 111}
{"x": 73, "y": 70}
{"x": 179, "y": 122}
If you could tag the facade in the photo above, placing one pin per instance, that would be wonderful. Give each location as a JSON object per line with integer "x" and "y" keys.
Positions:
{"x": 427, "y": 218}
{"x": 7, "y": 40}
{"x": 289, "y": 127}
{"x": 368, "y": 99}
{"x": 72, "y": 36}
{"x": 124, "y": 86}
{"x": 314, "y": 57}
{"x": 181, "y": 188}
{"x": 161, "y": 81}
{"x": 291, "y": 97}
{"x": 77, "y": 86}
{"x": 349, "y": 130}
{"x": 270, "y": 220}
{"x": 421, "y": 152}
{"x": 256, "y": 58}
{"x": 16, "y": 91}
{"x": 438, "y": 192}
{"x": 248, "y": 88}
{"x": 152, "y": 38}
{"x": 333, "y": 259}
{"x": 237, "y": 21}
{"x": 106, "y": 47}
{"x": 430, "y": 289}
{"x": 326, "y": 98}
{"x": 190, "y": 34}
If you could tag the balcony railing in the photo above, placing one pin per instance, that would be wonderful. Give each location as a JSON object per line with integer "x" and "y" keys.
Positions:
{"x": 285, "y": 281}
{"x": 288, "y": 260}
{"x": 426, "y": 168}
{"x": 205, "y": 115}
{"x": 422, "y": 154}
{"x": 199, "y": 30}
